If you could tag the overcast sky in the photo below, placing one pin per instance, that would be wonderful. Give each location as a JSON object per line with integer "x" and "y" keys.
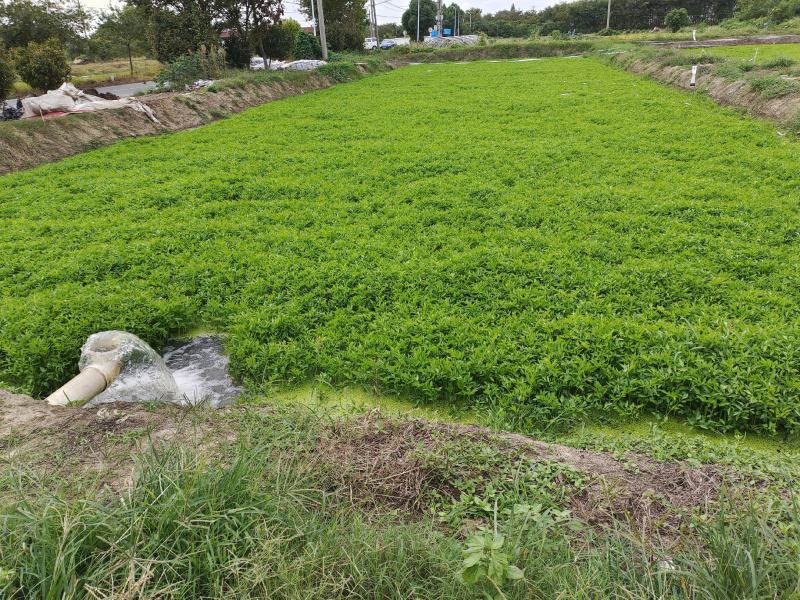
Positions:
{"x": 390, "y": 10}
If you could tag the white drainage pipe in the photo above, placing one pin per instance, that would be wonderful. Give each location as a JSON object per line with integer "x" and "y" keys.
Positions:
{"x": 87, "y": 384}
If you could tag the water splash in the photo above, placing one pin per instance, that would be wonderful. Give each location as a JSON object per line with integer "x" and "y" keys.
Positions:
{"x": 143, "y": 374}
{"x": 190, "y": 373}
{"x": 200, "y": 369}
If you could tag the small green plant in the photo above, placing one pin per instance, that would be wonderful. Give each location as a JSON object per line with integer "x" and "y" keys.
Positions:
{"x": 773, "y": 86}
{"x": 677, "y": 19}
{"x": 555, "y": 34}
{"x": 486, "y": 565}
{"x": 43, "y": 66}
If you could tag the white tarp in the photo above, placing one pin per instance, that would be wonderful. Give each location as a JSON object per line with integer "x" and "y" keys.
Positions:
{"x": 296, "y": 65}
{"x": 69, "y": 99}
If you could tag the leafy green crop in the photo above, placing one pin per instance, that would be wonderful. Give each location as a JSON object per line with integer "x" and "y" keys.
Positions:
{"x": 542, "y": 239}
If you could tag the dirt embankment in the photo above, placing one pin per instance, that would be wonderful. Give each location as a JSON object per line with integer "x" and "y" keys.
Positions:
{"x": 784, "y": 110}
{"x": 734, "y": 41}
{"x": 381, "y": 461}
{"x": 26, "y": 144}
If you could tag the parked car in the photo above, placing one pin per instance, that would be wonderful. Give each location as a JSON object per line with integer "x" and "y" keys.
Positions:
{"x": 370, "y": 43}
{"x": 387, "y": 44}
{"x": 257, "y": 64}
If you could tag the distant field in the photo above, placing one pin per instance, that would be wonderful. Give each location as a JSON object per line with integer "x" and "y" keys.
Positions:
{"x": 105, "y": 73}
{"x": 143, "y": 68}
{"x": 761, "y": 53}
{"x": 541, "y": 240}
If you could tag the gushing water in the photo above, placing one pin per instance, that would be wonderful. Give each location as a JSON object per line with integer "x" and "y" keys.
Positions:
{"x": 143, "y": 374}
{"x": 191, "y": 373}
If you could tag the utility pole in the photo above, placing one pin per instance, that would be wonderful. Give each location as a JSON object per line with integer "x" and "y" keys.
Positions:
{"x": 439, "y": 20}
{"x": 375, "y": 21}
{"x": 323, "y": 42}
{"x": 418, "y": 21}
{"x": 608, "y": 16}
{"x": 313, "y": 18}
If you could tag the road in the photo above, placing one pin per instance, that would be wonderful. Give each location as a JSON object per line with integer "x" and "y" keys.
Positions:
{"x": 127, "y": 89}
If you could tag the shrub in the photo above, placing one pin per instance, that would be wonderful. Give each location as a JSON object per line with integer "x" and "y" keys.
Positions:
{"x": 307, "y": 46}
{"x": 7, "y": 74}
{"x": 339, "y": 72}
{"x": 278, "y": 41}
{"x": 180, "y": 72}
{"x": 774, "y": 87}
{"x": 212, "y": 61}
{"x": 555, "y": 34}
{"x": 729, "y": 71}
{"x": 208, "y": 63}
{"x": 779, "y": 62}
{"x": 606, "y": 31}
{"x": 43, "y": 66}
{"x": 676, "y": 19}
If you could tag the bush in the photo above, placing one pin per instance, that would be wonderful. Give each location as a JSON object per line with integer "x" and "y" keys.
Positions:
{"x": 339, "y": 72}
{"x": 207, "y": 63}
{"x": 555, "y": 34}
{"x": 606, "y": 31}
{"x": 7, "y": 74}
{"x": 774, "y": 87}
{"x": 779, "y": 62}
{"x": 43, "y": 66}
{"x": 180, "y": 72}
{"x": 676, "y": 19}
{"x": 307, "y": 46}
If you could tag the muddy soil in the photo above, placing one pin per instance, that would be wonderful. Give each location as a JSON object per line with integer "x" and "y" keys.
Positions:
{"x": 28, "y": 143}
{"x": 374, "y": 457}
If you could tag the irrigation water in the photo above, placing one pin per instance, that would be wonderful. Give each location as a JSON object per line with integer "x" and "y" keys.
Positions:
{"x": 190, "y": 373}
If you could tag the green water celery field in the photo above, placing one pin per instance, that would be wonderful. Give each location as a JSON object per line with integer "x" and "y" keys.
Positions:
{"x": 542, "y": 240}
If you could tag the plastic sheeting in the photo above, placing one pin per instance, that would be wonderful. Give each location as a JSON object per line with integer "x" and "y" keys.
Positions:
{"x": 296, "y": 65}
{"x": 69, "y": 99}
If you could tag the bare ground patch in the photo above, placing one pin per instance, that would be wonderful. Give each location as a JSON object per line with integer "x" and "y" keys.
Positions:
{"x": 386, "y": 462}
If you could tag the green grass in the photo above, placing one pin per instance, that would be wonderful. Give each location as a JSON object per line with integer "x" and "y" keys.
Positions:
{"x": 498, "y": 236}
{"x": 260, "y": 520}
{"x": 763, "y": 53}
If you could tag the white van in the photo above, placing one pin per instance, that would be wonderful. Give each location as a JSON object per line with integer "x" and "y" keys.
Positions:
{"x": 257, "y": 64}
{"x": 370, "y": 43}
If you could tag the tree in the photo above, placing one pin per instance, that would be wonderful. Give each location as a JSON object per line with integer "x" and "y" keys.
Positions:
{"x": 25, "y": 21}
{"x": 43, "y": 66}
{"x": 345, "y": 23}
{"x": 7, "y": 74}
{"x": 278, "y": 41}
{"x": 676, "y": 19}
{"x": 427, "y": 18}
{"x": 178, "y": 27}
{"x": 124, "y": 29}
{"x": 307, "y": 46}
{"x": 393, "y": 30}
